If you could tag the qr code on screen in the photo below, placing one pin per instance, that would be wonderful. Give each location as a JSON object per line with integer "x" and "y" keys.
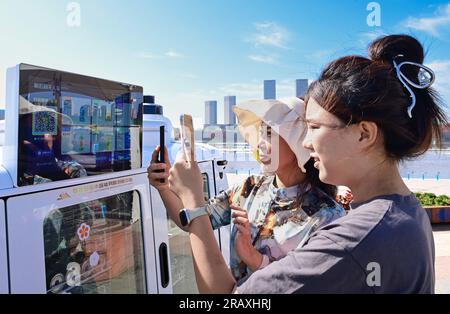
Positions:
{"x": 44, "y": 122}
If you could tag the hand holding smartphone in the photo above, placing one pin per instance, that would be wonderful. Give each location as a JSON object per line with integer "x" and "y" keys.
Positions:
{"x": 187, "y": 137}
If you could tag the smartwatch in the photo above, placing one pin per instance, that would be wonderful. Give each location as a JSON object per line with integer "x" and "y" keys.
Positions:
{"x": 188, "y": 215}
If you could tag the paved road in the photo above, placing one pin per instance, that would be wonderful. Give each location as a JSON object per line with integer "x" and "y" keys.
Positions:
{"x": 441, "y": 233}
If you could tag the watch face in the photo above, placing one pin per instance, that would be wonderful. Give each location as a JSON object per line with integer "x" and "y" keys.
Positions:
{"x": 183, "y": 218}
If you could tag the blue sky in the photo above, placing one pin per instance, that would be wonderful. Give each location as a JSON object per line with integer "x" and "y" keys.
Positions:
{"x": 189, "y": 51}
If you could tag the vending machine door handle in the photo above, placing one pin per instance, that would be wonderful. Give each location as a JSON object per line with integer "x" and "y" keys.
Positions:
{"x": 164, "y": 265}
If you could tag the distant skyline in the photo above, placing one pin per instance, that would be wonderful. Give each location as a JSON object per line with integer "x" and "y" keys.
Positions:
{"x": 270, "y": 89}
{"x": 186, "y": 52}
{"x": 210, "y": 112}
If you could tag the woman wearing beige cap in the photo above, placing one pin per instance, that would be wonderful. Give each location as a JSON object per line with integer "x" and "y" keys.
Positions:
{"x": 273, "y": 213}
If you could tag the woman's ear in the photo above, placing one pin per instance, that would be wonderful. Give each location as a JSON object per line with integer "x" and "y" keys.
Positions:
{"x": 368, "y": 133}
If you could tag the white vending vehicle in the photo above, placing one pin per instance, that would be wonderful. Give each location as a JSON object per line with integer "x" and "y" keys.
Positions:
{"x": 77, "y": 214}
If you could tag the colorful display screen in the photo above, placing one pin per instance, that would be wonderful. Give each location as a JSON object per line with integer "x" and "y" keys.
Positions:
{"x": 72, "y": 125}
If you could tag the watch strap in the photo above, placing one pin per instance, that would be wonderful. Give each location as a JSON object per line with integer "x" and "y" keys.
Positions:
{"x": 196, "y": 212}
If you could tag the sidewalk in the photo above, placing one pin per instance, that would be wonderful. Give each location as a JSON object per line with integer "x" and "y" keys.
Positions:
{"x": 437, "y": 187}
{"x": 441, "y": 235}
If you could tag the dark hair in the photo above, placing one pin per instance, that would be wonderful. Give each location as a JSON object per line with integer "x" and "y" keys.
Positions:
{"x": 312, "y": 177}
{"x": 356, "y": 88}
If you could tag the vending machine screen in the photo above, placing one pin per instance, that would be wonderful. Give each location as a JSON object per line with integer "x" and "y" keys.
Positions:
{"x": 72, "y": 125}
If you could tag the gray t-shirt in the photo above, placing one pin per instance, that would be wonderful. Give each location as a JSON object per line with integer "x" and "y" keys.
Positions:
{"x": 383, "y": 245}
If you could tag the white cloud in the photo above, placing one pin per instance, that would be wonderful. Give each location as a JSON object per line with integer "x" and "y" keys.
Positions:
{"x": 365, "y": 38}
{"x": 372, "y": 35}
{"x": 145, "y": 55}
{"x": 431, "y": 25}
{"x": 169, "y": 54}
{"x": 263, "y": 59}
{"x": 286, "y": 88}
{"x": 321, "y": 56}
{"x": 441, "y": 67}
{"x": 243, "y": 90}
{"x": 173, "y": 54}
{"x": 442, "y": 71}
{"x": 442, "y": 84}
{"x": 270, "y": 34}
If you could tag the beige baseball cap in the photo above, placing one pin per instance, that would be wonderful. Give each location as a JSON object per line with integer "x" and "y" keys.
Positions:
{"x": 285, "y": 116}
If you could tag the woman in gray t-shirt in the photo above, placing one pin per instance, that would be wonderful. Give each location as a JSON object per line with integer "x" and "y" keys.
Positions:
{"x": 364, "y": 116}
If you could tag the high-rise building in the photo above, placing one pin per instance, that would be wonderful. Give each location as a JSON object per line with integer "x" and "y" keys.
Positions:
{"x": 301, "y": 86}
{"x": 270, "y": 89}
{"x": 229, "y": 116}
{"x": 211, "y": 112}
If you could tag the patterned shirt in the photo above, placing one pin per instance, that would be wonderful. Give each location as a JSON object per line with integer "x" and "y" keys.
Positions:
{"x": 278, "y": 222}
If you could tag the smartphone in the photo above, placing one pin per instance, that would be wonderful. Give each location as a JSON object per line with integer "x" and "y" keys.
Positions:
{"x": 162, "y": 140}
{"x": 187, "y": 136}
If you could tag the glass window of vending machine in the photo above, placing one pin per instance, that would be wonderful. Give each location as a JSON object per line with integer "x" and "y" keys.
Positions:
{"x": 95, "y": 246}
